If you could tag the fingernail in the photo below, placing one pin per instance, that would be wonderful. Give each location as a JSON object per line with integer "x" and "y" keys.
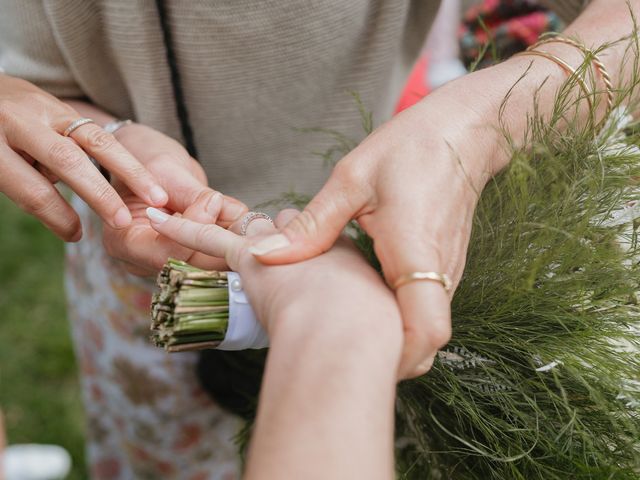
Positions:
{"x": 269, "y": 244}
{"x": 156, "y": 216}
{"x": 122, "y": 218}
{"x": 158, "y": 195}
{"x": 233, "y": 210}
{"x": 214, "y": 204}
{"x": 76, "y": 236}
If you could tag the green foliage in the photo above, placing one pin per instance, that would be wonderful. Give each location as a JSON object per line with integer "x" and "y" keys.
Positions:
{"x": 542, "y": 377}
{"x": 39, "y": 390}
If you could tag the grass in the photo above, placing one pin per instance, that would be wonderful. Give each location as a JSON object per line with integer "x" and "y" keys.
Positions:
{"x": 39, "y": 389}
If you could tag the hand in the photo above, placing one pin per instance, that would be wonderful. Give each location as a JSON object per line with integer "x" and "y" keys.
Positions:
{"x": 412, "y": 186}
{"x": 340, "y": 280}
{"x": 34, "y": 155}
{"x": 140, "y": 247}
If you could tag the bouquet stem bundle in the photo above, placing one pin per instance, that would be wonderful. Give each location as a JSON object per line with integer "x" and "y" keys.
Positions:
{"x": 191, "y": 309}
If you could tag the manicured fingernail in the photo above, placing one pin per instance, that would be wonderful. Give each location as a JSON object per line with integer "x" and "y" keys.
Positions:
{"x": 232, "y": 210}
{"x": 156, "y": 216}
{"x": 214, "y": 204}
{"x": 158, "y": 195}
{"x": 122, "y": 218}
{"x": 269, "y": 244}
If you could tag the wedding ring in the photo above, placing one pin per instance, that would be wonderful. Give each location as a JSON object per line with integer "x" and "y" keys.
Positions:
{"x": 250, "y": 217}
{"x": 75, "y": 124}
{"x": 442, "y": 278}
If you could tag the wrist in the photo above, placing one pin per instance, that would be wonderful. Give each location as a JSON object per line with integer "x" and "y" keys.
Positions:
{"x": 355, "y": 337}
{"x": 496, "y": 103}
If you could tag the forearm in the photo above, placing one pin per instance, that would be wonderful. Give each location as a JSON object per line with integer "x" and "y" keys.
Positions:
{"x": 327, "y": 403}
{"x": 538, "y": 81}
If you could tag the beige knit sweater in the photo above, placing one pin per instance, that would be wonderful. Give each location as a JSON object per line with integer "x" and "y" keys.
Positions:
{"x": 252, "y": 71}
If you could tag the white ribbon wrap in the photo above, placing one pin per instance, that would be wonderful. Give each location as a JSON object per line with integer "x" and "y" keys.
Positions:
{"x": 244, "y": 330}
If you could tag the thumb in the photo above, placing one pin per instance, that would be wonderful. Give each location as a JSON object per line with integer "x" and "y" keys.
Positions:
{"x": 315, "y": 229}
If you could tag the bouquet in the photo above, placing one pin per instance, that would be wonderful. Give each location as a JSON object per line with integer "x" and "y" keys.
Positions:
{"x": 542, "y": 376}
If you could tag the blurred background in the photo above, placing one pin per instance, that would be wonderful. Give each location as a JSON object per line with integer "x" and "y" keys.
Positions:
{"x": 39, "y": 392}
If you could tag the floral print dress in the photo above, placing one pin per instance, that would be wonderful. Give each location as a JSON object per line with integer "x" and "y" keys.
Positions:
{"x": 147, "y": 416}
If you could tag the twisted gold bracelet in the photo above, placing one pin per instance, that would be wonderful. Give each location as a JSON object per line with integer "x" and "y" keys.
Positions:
{"x": 566, "y": 67}
{"x": 590, "y": 55}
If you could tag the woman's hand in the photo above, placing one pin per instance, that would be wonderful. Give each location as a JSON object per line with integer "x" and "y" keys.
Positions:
{"x": 413, "y": 185}
{"x": 327, "y": 399}
{"x": 141, "y": 248}
{"x": 34, "y": 155}
{"x": 339, "y": 280}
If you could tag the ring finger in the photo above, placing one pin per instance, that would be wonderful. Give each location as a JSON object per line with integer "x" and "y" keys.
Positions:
{"x": 254, "y": 226}
{"x": 104, "y": 147}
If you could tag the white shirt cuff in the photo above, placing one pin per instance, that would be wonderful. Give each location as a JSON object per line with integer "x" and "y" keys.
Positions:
{"x": 244, "y": 331}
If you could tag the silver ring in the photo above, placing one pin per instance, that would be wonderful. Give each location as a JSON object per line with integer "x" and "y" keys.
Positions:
{"x": 75, "y": 124}
{"x": 250, "y": 217}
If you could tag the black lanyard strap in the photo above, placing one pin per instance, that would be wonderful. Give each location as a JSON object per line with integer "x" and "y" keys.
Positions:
{"x": 176, "y": 83}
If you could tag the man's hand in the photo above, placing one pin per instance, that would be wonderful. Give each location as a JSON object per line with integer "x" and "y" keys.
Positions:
{"x": 34, "y": 155}
{"x": 140, "y": 247}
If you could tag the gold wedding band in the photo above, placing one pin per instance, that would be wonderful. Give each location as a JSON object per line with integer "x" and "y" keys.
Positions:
{"x": 250, "y": 217}
{"x": 442, "y": 278}
{"x": 76, "y": 124}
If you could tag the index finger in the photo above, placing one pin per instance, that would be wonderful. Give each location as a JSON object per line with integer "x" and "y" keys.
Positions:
{"x": 206, "y": 238}
{"x": 107, "y": 151}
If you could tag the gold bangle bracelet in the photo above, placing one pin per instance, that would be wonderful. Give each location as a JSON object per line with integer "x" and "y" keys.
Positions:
{"x": 589, "y": 55}
{"x": 567, "y": 68}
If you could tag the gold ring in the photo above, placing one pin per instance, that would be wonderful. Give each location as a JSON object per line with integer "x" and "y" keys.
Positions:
{"x": 442, "y": 278}
{"x": 75, "y": 124}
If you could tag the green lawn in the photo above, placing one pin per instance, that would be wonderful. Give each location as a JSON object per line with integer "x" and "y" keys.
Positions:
{"x": 39, "y": 391}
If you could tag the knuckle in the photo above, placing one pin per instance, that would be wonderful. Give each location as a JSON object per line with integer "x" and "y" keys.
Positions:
{"x": 45, "y": 99}
{"x": 38, "y": 200}
{"x": 65, "y": 156}
{"x": 347, "y": 173}
{"x": 203, "y": 196}
{"x": 136, "y": 170}
{"x": 104, "y": 194}
{"x": 428, "y": 338}
{"x": 234, "y": 256}
{"x": 6, "y": 110}
{"x": 204, "y": 235}
{"x": 305, "y": 223}
{"x": 98, "y": 139}
{"x": 439, "y": 333}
